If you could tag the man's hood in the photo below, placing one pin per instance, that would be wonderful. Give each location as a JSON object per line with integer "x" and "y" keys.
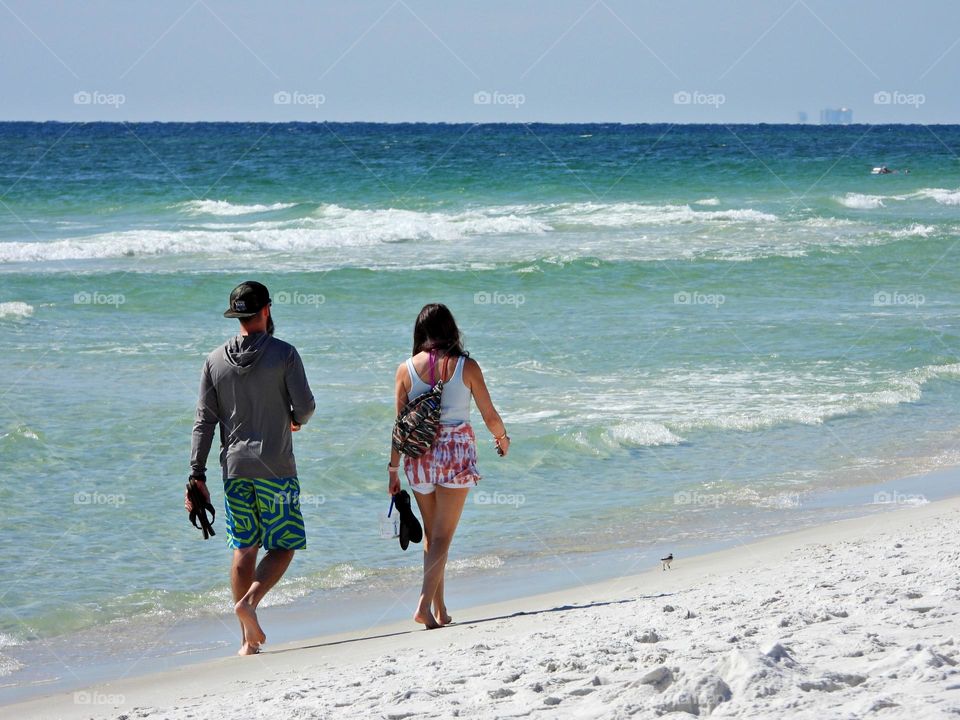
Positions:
{"x": 244, "y": 351}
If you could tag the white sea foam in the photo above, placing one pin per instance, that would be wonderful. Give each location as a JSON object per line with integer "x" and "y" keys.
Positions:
{"x": 859, "y": 201}
{"x": 481, "y": 562}
{"x": 15, "y": 310}
{"x": 620, "y": 215}
{"x": 523, "y": 418}
{"x": 639, "y": 232}
{"x": 641, "y": 433}
{"x": 749, "y": 400}
{"x": 394, "y": 224}
{"x": 330, "y": 227}
{"x": 916, "y": 230}
{"x": 942, "y": 196}
{"x": 222, "y": 207}
{"x": 9, "y": 665}
{"x": 708, "y": 201}
{"x": 7, "y": 640}
{"x": 20, "y": 431}
{"x": 751, "y": 497}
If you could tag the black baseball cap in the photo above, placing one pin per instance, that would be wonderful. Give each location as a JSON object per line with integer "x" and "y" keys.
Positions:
{"x": 247, "y": 299}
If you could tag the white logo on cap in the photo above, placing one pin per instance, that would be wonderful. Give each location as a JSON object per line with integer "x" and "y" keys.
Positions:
{"x": 240, "y": 305}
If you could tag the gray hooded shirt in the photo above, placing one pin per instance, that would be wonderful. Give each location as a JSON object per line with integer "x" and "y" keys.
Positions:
{"x": 253, "y": 387}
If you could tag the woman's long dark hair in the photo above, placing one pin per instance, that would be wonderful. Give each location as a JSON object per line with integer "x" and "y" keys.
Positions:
{"x": 436, "y": 329}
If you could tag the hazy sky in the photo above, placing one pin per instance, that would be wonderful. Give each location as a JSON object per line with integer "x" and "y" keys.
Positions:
{"x": 495, "y": 60}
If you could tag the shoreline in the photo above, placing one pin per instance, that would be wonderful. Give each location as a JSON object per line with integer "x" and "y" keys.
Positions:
{"x": 101, "y": 654}
{"x": 198, "y": 683}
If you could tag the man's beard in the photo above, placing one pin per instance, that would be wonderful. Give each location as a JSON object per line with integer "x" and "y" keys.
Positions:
{"x": 270, "y": 325}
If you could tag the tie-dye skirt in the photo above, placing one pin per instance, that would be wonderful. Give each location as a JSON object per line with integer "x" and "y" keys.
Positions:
{"x": 451, "y": 461}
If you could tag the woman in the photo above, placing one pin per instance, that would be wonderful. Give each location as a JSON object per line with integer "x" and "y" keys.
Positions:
{"x": 442, "y": 476}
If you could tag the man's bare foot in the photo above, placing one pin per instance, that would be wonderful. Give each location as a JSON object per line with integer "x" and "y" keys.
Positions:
{"x": 248, "y": 649}
{"x": 252, "y": 632}
{"x": 427, "y": 619}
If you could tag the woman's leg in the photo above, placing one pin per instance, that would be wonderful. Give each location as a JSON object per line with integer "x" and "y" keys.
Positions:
{"x": 444, "y": 515}
{"x": 428, "y": 505}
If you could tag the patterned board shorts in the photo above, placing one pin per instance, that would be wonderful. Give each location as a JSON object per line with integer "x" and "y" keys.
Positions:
{"x": 450, "y": 462}
{"x": 264, "y": 513}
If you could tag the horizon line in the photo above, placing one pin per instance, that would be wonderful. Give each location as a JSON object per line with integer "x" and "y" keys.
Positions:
{"x": 476, "y": 122}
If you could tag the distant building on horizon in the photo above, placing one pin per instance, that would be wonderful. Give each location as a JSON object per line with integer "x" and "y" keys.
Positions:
{"x": 836, "y": 116}
{"x": 802, "y": 116}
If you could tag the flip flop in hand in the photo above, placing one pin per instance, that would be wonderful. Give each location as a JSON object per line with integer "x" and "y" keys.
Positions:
{"x": 410, "y": 530}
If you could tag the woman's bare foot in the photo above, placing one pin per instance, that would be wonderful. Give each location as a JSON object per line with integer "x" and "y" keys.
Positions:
{"x": 442, "y": 616}
{"x": 426, "y": 618}
{"x": 248, "y": 649}
{"x": 252, "y": 632}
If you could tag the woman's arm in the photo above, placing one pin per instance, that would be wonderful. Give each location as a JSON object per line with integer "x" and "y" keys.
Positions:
{"x": 401, "y": 379}
{"x": 473, "y": 378}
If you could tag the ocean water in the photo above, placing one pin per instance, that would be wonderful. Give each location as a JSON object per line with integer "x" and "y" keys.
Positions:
{"x": 689, "y": 330}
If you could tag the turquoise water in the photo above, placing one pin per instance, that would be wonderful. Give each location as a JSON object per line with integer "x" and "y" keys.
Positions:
{"x": 685, "y": 328}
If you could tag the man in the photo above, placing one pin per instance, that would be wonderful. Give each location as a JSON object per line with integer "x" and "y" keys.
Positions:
{"x": 255, "y": 388}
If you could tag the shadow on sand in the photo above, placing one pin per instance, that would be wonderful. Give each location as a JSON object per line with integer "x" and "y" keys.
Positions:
{"x": 467, "y": 623}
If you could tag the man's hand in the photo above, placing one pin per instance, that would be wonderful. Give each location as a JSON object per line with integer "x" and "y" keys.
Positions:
{"x": 186, "y": 499}
{"x": 294, "y": 426}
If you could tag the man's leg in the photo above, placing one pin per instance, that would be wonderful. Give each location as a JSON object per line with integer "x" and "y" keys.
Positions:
{"x": 269, "y": 571}
{"x": 243, "y": 535}
{"x": 242, "y": 575}
{"x": 282, "y": 532}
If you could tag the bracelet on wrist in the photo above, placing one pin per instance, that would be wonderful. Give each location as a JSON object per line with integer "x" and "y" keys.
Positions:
{"x": 502, "y": 437}
{"x": 394, "y": 468}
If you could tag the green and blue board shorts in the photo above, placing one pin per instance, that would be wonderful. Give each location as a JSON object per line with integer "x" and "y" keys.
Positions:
{"x": 264, "y": 512}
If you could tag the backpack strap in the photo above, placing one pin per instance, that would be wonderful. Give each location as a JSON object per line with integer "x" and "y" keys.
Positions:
{"x": 433, "y": 365}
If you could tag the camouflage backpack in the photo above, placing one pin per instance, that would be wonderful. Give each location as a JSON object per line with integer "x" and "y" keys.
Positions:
{"x": 418, "y": 423}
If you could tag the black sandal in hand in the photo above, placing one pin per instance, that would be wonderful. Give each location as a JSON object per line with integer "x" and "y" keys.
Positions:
{"x": 201, "y": 506}
{"x": 410, "y": 530}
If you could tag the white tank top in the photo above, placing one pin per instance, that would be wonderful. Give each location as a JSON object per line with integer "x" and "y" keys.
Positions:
{"x": 455, "y": 401}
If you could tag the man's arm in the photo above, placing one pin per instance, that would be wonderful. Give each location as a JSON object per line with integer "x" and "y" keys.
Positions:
{"x": 205, "y": 423}
{"x": 302, "y": 403}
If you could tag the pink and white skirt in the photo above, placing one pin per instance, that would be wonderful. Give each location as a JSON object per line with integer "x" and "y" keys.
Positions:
{"x": 450, "y": 462}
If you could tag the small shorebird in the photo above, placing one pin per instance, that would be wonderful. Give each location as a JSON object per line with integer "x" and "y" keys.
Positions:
{"x": 665, "y": 562}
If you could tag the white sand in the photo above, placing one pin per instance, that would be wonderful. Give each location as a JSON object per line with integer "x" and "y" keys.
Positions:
{"x": 855, "y": 619}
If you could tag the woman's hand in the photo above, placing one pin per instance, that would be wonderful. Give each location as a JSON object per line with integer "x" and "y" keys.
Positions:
{"x": 393, "y": 484}
{"x": 503, "y": 445}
